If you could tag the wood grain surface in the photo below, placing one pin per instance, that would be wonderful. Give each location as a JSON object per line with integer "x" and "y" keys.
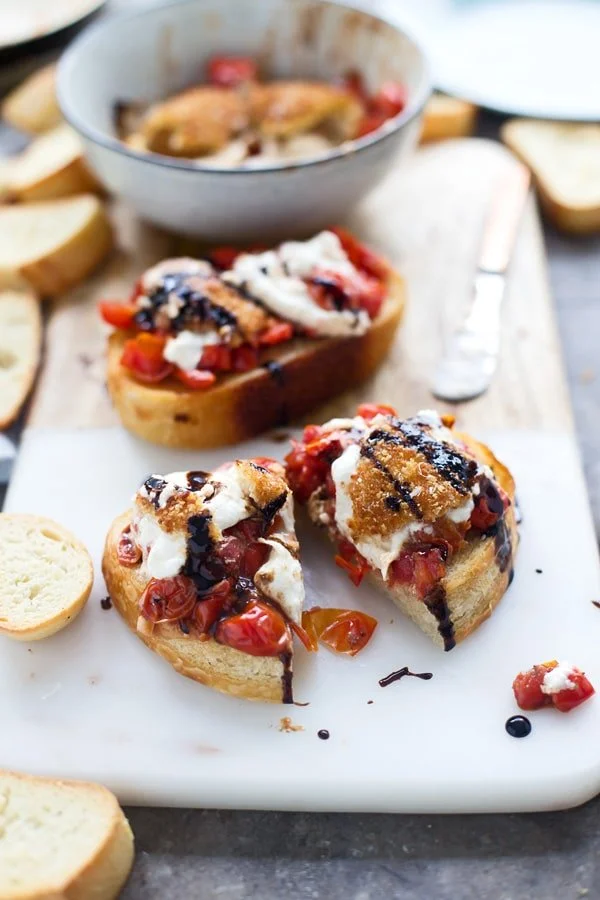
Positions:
{"x": 427, "y": 218}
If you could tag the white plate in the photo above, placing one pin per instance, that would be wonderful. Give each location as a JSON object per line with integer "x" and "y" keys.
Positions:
{"x": 93, "y": 702}
{"x": 29, "y": 20}
{"x": 526, "y": 57}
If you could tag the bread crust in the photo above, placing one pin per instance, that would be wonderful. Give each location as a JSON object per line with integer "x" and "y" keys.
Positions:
{"x": 104, "y": 874}
{"x": 474, "y": 584}
{"x": 241, "y": 406}
{"x": 29, "y": 304}
{"x": 210, "y": 663}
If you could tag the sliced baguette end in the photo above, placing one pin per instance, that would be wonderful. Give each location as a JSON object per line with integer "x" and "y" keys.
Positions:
{"x": 20, "y": 348}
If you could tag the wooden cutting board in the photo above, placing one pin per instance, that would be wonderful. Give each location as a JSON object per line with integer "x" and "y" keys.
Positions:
{"x": 93, "y": 703}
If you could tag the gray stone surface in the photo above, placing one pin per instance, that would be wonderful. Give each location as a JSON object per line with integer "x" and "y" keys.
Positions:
{"x": 183, "y": 854}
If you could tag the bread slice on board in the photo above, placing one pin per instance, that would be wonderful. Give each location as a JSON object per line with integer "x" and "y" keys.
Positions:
{"x": 20, "y": 348}
{"x": 564, "y": 158}
{"x": 46, "y": 576}
{"x": 51, "y": 166}
{"x": 447, "y": 117}
{"x": 32, "y": 106}
{"x": 53, "y": 245}
{"x": 61, "y": 840}
{"x": 242, "y": 405}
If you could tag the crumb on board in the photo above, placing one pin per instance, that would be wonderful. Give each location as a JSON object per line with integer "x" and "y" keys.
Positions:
{"x": 286, "y": 724}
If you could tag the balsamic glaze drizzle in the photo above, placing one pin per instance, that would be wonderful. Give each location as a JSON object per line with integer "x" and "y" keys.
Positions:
{"x": 196, "y": 480}
{"x": 499, "y": 531}
{"x": 518, "y": 726}
{"x": 154, "y": 486}
{"x": 276, "y": 371}
{"x": 286, "y": 678}
{"x": 195, "y": 305}
{"x": 437, "y": 605}
{"x": 402, "y": 673}
{"x": 402, "y": 488}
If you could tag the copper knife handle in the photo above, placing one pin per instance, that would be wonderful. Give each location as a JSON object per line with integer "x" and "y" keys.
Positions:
{"x": 502, "y": 221}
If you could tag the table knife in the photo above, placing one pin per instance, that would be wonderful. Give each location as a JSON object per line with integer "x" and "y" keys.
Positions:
{"x": 470, "y": 359}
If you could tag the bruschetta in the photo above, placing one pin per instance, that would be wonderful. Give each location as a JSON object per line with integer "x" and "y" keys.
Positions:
{"x": 204, "y": 568}
{"x": 426, "y": 512}
{"x": 213, "y": 351}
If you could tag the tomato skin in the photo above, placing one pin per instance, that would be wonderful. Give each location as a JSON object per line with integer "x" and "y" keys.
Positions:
{"x": 128, "y": 552}
{"x": 350, "y": 559}
{"x": 277, "y": 334}
{"x": 390, "y": 99}
{"x": 216, "y": 357}
{"x": 168, "y": 599}
{"x": 360, "y": 255}
{"x": 354, "y": 84}
{"x": 143, "y": 356}
{"x": 304, "y": 472}
{"x": 368, "y": 411}
{"x": 119, "y": 315}
{"x": 567, "y": 700}
{"x": 224, "y": 257}
{"x": 245, "y": 358}
{"x": 370, "y": 123}
{"x": 230, "y": 71}
{"x": 342, "y": 630}
{"x": 197, "y": 379}
{"x": 208, "y": 608}
{"x": 259, "y": 631}
{"x": 527, "y": 688}
{"x": 423, "y": 567}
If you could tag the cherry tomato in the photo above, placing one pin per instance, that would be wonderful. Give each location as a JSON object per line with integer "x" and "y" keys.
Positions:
{"x": 277, "y": 334}
{"x": 137, "y": 290}
{"x": 389, "y": 100}
{"x": 259, "y": 630}
{"x": 168, "y": 599}
{"x": 143, "y": 356}
{"x": 208, "y": 608}
{"x": 304, "y": 472}
{"x": 368, "y": 411}
{"x": 343, "y": 630}
{"x": 423, "y": 568}
{"x": 309, "y": 640}
{"x": 119, "y": 315}
{"x": 244, "y": 358}
{"x": 353, "y": 82}
{"x": 370, "y": 123}
{"x": 224, "y": 257}
{"x": 527, "y": 688}
{"x": 128, "y": 552}
{"x": 361, "y": 256}
{"x": 569, "y": 699}
{"x": 216, "y": 357}
{"x": 197, "y": 379}
{"x": 229, "y": 71}
{"x": 350, "y": 559}
{"x": 489, "y": 506}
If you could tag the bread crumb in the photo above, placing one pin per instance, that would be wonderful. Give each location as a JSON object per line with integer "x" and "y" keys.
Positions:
{"x": 587, "y": 376}
{"x": 286, "y": 724}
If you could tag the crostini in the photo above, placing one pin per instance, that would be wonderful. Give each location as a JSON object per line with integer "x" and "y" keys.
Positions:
{"x": 205, "y": 570}
{"x": 213, "y": 351}
{"x": 427, "y": 512}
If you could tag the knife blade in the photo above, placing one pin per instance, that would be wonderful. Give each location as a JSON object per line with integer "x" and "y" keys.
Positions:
{"x": 471, "y": 357}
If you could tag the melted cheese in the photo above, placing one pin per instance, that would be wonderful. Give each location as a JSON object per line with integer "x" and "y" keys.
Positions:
{"x": 186, "y": 349}
{"x": 280, "y": 579}
{"x": 163, "y": 553}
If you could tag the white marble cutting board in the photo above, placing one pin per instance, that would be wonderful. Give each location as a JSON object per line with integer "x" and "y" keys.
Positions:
{"x": 93, "y": 702}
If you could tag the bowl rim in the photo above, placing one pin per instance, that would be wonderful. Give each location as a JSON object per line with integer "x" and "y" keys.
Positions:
{"x": 344, "y": 150}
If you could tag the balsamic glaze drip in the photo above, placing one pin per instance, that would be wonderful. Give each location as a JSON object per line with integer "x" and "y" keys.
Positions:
{"x": 538, "y": 571}
{"x": 154, "y": 486}
{"x": 276, "y": 371}
{"x": 402, "y": 488}
{"x": 518, "y": 512}
{"x": 458, "y": 470}
{"x": 323, "y": 734}
{"x": 393, "y": 503}
{"x": 196, "y": 480}
{"x": 184, "y": 626}
{"x": 270, "y": 509}
{"x": 286, "y": 678}
{"x": 335, "y": 292}
{"x": 106, "y": 603}
{"x": 518, "y": 726}
{"x": 499, "y": 530}
{"x": 437, "y": 605}
{"x": 199, "y": 545}
{"x": 195, "y": 306}
{"x": 402, "y": 673}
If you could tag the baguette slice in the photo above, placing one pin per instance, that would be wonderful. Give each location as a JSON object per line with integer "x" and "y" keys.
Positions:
{"x": 565, "y": 161}
{"x": 213, "y": 664}
{"x": 32, "y": 106}
{"x": 447, "y": 117}
{"x": 53, "y": 245}
{"x": 52, "y": 166}
{"x": 20, "y": 347}
{"x": 61, "y": 840}
{"x": 242, "y": 405}
{"x": 46, "y": 576}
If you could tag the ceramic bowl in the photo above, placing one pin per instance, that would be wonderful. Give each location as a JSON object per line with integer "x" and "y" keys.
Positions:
{"x": 153, "y": 53}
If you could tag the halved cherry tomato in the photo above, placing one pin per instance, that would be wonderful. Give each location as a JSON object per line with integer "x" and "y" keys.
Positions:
{"x": 216, "y": 357}
{"x": 244, "y": 358}
{"x": 229, "y": 71}
{"x": 360, "y": 255}
{"x": 197, "y": 379}
{"x": 343, "y": 630}
{"x": 370, "y": 123}
{"x": 350, "y": 559}
{"x": 423, "y": 568}
{"x": 224, "y": 257}
{"x": 310, "y": 642}
{"x": 305, "y": 473}
{"x": 255, "y": 556}
{"x": 128, "y": 552}
{"x": 368, "y": 411}
{"x": 527, "y": 688}
{"x": 208, "y": 608}
{"x": 489, "y": 506}
{"x": 119, "y": 315}
{"x": 143, "y": 356}
{"x": 277, "y": 334}
{"x": 168, "y": 599}
{"x": 389, "y": 100}
{"x": 353, "y": 82}
{"x": 259, "y": 630}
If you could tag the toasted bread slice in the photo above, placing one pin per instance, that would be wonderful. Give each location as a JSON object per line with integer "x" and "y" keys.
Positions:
{"x": 32, "y": 106}
{"x": 206, "y": 661}
{"x": 564, "y": 158}
{"x": 447, "y": 117}
{"x": 304, "y": 374}
{"x": 61, "y": 840}
{"x": 52, "y": 166}
{"x": 46, "y": 576}
{"x": 20, "y": 347}
{"x": 53, "y": 245}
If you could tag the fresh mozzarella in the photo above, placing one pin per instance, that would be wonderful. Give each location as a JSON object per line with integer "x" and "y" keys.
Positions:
{"x": 186, "y": 349}
{"x": 462, "y": 513}
{"x": 184, "y": 265}
{"x": 230, "y": 503}
{"x": 163, "y": 553}
{"x": 558, "y": 679}
{"x": 280, "y": 579}
{"x": 275, "y": 278}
